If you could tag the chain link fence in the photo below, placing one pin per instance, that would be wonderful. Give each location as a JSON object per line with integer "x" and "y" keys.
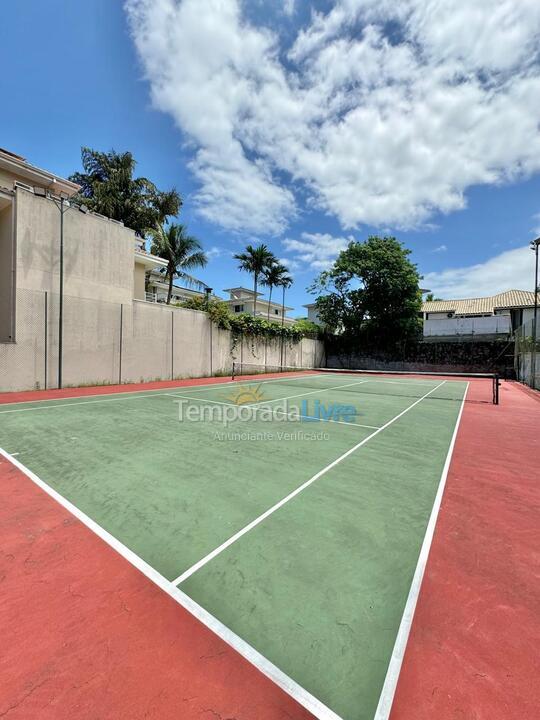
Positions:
{"x": 107, "y": 343}
{"x": 527, "y": 355}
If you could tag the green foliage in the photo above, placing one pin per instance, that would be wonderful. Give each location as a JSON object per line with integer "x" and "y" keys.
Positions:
{"x": 244, "y": 323}
{"x": 182, "y": 252}
{"x": 216, "y": 309}
{"x": 371, "y": 292}
{"x": 273, "y": 276}
{"x": 255, "y": 260}
{"x": 306, "y": 327}
{"x": 430, "y": 297}
{"x": 108, "y": 187}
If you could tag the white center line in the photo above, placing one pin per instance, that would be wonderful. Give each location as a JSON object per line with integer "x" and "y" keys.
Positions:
{"x": 217, "y": 551}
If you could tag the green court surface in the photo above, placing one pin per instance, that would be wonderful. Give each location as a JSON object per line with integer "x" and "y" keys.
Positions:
{"x": 316, "y": 581}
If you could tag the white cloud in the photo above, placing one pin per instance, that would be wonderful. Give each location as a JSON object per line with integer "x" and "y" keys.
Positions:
{"x": 513, "y": 269}
{"x": 316, "y": 251}
{"x": 382, "y": 127}
{"x": 289, "y": 6}
{"x": 215, "y": 252}
{"x": 439, "y": 249}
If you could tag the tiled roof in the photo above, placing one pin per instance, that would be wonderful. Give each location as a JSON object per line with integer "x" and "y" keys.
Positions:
{"x": 480, "y": 306}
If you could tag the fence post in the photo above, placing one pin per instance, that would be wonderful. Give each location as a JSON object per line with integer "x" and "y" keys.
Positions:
{"x": 46, "y": 344}
{"x": 172, "y": 344}
{"x": 211, "y": 346}
{"x": 121, "y": 343}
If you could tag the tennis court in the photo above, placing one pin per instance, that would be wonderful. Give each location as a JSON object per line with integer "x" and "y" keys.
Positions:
{"x": 292, "y": 513}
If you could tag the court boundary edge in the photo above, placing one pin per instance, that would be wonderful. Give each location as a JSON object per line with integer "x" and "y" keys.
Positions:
{"x": 253, "y": 656}
{"x": 388, "y": 691}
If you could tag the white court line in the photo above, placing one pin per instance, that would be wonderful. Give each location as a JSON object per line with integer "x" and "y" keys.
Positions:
{"x": 394, "y": 667}
{"x": 277, "y": 412}
{"x": 136, "y": 394}
{"x": 84, "y": 402}
{"x": 286, "y": 397}
{"x": 217, "y": 551}
{"x": 290, "y": 686}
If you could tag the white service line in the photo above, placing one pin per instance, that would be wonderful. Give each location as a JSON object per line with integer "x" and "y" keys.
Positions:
{"x": 312, "y": 392}
{"x": 278, "y": 412}
{"x": 386, "y": 697}
{"x": 217, "y": 551}
{"x": 290, "y": 686}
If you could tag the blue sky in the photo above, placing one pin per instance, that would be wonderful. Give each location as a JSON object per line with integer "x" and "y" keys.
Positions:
{"x": 300, "y": 124}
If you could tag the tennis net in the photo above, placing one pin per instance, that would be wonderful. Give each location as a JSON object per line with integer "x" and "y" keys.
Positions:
{"x": 481, "y": 387}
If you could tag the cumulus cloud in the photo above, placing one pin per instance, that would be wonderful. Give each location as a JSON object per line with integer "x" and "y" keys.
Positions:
{"x": 513, "y": 269}
{"x": 382, "y": 113}
{"x": 316, "y": 251}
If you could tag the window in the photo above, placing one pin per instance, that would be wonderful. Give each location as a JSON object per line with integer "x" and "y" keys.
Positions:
{"x": 238, "y": 308}
{"x": 7, "y": 275}
{"x": 276, "y": 312}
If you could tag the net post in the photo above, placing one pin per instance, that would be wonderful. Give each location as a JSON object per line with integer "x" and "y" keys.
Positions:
{"x": 233, "y": 374}
{"x": 496, "y": 385}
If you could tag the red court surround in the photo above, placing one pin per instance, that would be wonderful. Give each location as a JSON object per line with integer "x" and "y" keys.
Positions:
{"x": 84, "y": 635}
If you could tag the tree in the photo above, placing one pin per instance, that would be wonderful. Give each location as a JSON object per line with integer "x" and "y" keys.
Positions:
{"x": 108, "y": 187}
{"x": 430, "y": 297}
{"x": 284, "y": 283}
{"x": 255, "y": 260}
{"x": 182, "y": 252}
{"x": 272, "y": 276}
{"x": 372, "y": 290}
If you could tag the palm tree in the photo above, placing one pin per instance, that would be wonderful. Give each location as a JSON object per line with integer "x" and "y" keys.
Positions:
{"x": 255, "y": 260}
{"x": 108, "y": 186}
{"x": 182, "y": 252}
{"x": 284, "y": 283}
{"x": 272, "y": 276}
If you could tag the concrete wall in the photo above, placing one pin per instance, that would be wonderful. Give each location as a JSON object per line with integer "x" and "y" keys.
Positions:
{"x": 98, "y": 253}
{"x": 108, "y": 343}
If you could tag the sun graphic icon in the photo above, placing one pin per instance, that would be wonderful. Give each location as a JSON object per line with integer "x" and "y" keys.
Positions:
{"x": 246, "y": 395}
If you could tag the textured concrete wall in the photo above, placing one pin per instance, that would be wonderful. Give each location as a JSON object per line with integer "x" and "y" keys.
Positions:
{"x": 98, "y": 253}
{"x": 106, "y": 342}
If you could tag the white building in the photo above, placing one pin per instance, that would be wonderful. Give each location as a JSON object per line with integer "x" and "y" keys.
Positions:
{"x": 497, "y": 315}
{"x": 157, "y": 289}
{"x": 242, "y": 300}
{"x": 313, "y": 314}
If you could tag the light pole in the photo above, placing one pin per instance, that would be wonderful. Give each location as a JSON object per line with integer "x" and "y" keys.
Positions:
{"x": 63, "y": 208}
{"x": 208, "y": 291}
{"x": 534, "y": 246}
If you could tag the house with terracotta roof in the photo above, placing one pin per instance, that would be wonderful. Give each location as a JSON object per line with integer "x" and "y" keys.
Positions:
{"x": 493, "y": 316}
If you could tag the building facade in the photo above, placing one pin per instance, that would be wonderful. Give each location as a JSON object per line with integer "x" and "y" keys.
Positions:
{"x": 243, "y": 300}
{"x": 497, "y": 315}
